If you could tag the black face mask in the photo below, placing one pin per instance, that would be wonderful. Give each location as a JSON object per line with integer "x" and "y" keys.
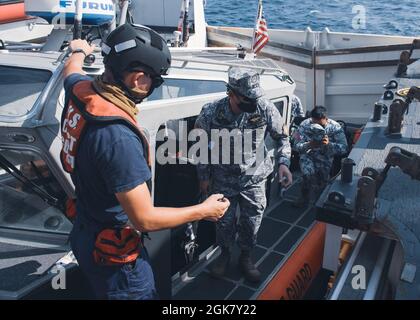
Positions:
{"x": 248, "y": 107}
{"x": 137, "y": 95}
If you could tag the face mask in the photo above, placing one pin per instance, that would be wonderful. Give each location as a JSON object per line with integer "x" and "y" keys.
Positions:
{"x": 249, "y": 107}
{"x": 137, "y": 94}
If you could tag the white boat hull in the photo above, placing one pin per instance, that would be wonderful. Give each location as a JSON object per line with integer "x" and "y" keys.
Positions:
{"x": 28, "y": 30}
{"x": 350, "y": 68}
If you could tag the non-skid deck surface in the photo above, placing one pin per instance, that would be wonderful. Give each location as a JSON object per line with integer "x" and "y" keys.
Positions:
{"x": 399, "y": 189}
{"x": 21, "y": 265}
{"x": 398, "y": 199}
{"x": 281, "y": 231}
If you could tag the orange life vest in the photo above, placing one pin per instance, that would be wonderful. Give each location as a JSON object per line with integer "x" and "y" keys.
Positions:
{"x": 84, "y": 105}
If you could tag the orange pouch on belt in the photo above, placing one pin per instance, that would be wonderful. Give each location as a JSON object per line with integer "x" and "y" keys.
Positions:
{"x": 117, "y": 246}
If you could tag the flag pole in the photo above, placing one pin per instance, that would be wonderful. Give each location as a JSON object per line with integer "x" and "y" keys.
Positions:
{"x": 255, "y": 25}
{"x": 185, "y": 22}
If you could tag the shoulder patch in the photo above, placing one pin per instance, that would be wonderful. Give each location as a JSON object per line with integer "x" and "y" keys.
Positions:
{"x": 254, "y": 118}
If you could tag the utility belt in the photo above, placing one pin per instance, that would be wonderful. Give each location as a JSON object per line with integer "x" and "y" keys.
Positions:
{"x": 117, "y": 246}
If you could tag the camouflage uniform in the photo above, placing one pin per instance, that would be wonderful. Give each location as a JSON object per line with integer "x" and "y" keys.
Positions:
{"x": 235, "y": 181}
{"x": 297, "y": 108}
{"x": 315, "y": 164}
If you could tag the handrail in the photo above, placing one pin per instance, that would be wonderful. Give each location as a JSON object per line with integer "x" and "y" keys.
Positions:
{"x": 175, "y": 50}
{"x": 239, "y": 63}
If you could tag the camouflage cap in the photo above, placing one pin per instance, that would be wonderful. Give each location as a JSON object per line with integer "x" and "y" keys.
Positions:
{"x": 246, "y": 82}
{"x": 317, "y": 132}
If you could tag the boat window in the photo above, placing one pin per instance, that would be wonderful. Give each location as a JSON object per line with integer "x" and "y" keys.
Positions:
{"x": 281, "y": 104}
{"x": 177, "y": 88}
{"x": 19, "y": 89}
{"x": 20, "y": 207}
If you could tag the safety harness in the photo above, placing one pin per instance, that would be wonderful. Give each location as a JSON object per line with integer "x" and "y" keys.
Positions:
{"x": 84, "y": 106}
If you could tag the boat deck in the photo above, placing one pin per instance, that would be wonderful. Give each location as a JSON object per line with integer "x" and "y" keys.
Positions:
{"x": 397, "y": 214}
{"x": 23, "y": 267}
{"x": 283, "y": 228}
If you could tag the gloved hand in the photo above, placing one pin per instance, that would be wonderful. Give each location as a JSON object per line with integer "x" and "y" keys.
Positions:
{"x": 285, "y": 176}
{"x": 314, "y": 144}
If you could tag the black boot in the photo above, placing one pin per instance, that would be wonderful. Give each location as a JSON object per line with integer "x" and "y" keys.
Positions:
{"x": 304, "y": 198}
{"x": 218, "y": 269}
{"x": 302, "y": 201}
{"x": 248, "y": 268}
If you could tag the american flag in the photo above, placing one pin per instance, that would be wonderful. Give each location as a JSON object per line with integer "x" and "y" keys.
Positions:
{"x": 260, "y": 31}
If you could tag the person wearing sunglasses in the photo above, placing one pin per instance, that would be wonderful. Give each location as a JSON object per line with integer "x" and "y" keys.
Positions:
{"x": 108, "y": 158}
{"x": 242, "y": 175}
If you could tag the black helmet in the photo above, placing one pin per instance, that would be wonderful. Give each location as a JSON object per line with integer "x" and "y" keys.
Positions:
{"x": 130, "y": 47}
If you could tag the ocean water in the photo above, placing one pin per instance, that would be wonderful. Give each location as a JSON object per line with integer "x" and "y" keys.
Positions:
{"x": 393, "y": 17}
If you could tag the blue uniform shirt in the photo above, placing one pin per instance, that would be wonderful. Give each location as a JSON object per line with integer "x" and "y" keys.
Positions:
{"x": 109, "y": 160}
